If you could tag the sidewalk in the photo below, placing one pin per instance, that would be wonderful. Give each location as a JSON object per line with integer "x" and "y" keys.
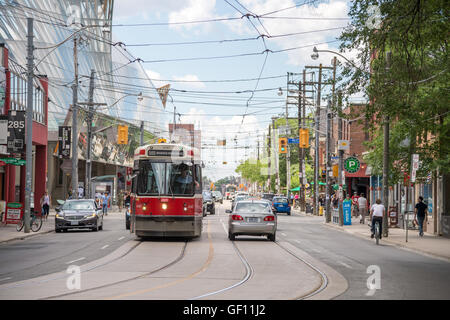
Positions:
{"x": 9, "y": 233}
{"x": 429, "y": 244}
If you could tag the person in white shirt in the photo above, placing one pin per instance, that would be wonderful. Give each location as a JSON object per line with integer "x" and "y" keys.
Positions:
{"x": 362, "y": 208}
{"x": 376, "y": 214}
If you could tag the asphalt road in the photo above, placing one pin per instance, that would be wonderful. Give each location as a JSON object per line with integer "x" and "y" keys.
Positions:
{"x": 210, "y": 264}
{"x": 403, "y": 274}
{"x": 54, "y": 252}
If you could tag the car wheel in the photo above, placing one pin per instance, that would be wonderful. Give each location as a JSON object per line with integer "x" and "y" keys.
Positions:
{"x": 213, "y": 211}
{"x": 95, "y": 228}
{"x": 271, "y": 237}
{"x": 288, "y": 213}
{"x": 57, "y": 230}
{"x": 231, "y": 236}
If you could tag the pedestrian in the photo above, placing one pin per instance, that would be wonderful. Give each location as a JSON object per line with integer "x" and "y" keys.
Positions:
{"x": 105, "y": 199}
{"x": 355, "y": 204}
{"x": 296, "y": 200}
{"x": 335, "y": 200}
{"x": 127, "y": 199}
{"x": 362, "y": 208}
{"x": 420, "y": 212}
{"x": 45, "y": 205}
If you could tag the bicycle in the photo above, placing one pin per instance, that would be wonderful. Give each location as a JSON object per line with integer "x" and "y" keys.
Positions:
{"x": 377, "y": 231}
{"x": 35, "y": 222}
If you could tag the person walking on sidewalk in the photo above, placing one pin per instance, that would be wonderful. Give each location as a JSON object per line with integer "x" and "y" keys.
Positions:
{"x": 362, "y": 208}
{"x": 376, "y": 214}
{"x": 420, "y": 212}
{"x": 105, "y": 199}
{"x": 45, "y": 205}
{"x": 355, "y": 204}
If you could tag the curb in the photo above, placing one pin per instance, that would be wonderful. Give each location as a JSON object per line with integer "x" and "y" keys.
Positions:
{"x": 23, "y": 237}
{"x": 391, "y": 243}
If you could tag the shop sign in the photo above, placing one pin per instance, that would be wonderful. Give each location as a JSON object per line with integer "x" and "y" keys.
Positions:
{"x": 16, "y": 131}
{"x": 64, "y": 137}
{"x": 14, "y": 212}
{"x": 13, "y": 161}
{"x": 352, "y": 164}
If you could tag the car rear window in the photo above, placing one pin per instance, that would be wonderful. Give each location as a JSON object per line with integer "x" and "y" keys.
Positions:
{"x": 252, "y": 207}
{"x": 280, "y": 200}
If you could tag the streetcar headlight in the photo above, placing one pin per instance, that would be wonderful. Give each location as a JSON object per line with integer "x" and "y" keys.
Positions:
{"x": 144, "y": 207}
{"x": 185, "y": 208}
{"x": 164, "y": 206}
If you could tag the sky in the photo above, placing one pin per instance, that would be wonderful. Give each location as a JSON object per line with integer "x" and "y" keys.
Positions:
{"x": 230, "y": 98}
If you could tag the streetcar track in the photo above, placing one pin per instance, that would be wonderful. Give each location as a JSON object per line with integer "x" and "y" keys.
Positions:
{"x": 250, "y": 272}
{"x": 180, "y": 256}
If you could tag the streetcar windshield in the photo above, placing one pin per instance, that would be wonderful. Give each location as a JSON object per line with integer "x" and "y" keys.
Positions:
{"x": 156, "y": 178}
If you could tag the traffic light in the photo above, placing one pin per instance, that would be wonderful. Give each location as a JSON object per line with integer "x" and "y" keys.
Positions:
{"x": 282, "y": 145}
{"x": 122, "y": 134}
{"x": 304, "y": 138}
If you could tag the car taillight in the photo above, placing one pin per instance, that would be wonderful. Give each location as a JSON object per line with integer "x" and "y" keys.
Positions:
{"x": 269, "y": 218}
{"x": 236, "y": 217}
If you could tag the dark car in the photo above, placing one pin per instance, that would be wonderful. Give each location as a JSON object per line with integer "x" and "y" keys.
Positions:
{"x": 76, "y": 214}
{"x": 217, "y": 196}
{"x": 268, "y": 196}
{"x": 208, "y": 203}
{"x": 281, "y": 204}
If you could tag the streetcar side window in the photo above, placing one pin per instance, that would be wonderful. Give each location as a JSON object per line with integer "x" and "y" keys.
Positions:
{"x": 151, "y": 179}
{"x": 198, "y": 179}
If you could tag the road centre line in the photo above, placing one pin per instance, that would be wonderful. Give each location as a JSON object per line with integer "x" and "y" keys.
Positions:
{"x": 82, "y": 258}
{"x": 120, "y": 238}
{"x": 105, "y": 246}
{"x": 5, "y": 279}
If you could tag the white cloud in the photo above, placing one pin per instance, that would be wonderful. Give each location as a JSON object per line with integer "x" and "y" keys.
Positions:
{"x": 194, "y": 10}
{"x": 189, "y": 77}
{"x": 155, "y": 77}
{"x": 124, "y": 9}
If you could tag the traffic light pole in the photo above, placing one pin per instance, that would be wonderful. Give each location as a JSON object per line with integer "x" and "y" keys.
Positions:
{"x": 288, "y": 154}
{"x": 316, "y": 154}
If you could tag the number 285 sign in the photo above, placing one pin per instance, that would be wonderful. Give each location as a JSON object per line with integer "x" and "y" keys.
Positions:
{"x": 16, "y": 131}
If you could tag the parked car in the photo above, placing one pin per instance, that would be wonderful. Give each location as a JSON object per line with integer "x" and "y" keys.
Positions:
{"x": 76, "y": 214}
{"x": 254, "y": 218}
{"x": 237, "y": 199}
{"x": 217, "y": 196}
{"x": 281, "y": 204}
{"x": 208, "y": 203}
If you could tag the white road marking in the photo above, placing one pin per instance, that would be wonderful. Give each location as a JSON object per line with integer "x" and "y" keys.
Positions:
{"x": 82, "y": 258}
{"x": 104, "y": 247}
{"x": 298, "y": 241}
{"x": 345, "y": 265}
{"x": 120, "y": 238}
{"x": 316, "y": 250}
{"x": 283, "y": 234}
{"x": 5, "y": 279}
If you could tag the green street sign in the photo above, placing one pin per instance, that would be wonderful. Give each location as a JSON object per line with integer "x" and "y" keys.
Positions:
{"x": 14, "y": 205}
{"x": 14, "y": 161}
{"x": 352, "y": 164}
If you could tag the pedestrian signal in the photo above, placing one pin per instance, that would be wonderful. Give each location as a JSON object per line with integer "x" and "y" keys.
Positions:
{"x": 282, "y": 145}
{"x": 304, "y": 138}
{"x": 122, "y": 134}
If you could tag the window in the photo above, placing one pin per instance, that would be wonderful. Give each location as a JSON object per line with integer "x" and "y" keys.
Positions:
{"x": 252, "y": 207}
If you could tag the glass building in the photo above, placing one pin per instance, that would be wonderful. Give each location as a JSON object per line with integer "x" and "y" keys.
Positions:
{"x": 121, "y": 84}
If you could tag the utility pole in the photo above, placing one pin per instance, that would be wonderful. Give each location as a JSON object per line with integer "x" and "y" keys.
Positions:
{"x": 142, "y": 133}
{"x": 341, "y": 163}
{"x": 90, "y": 116}
{"x": 75, "y": 123}
{"x": 386, "y": 161}
{"x": 329, "y": 137}
{"x": 87, "y": 187}
{"x": 303, "y": 166}
{"x": 29, "y": 124}
{"x": 316, "y": 160}
{"x": 288, "y": 154}
{"x": 328, "y": 165}
{"x": 270, "y": 162}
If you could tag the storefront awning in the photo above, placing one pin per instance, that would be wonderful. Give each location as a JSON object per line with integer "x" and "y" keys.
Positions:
{"x": 361, "y": 173}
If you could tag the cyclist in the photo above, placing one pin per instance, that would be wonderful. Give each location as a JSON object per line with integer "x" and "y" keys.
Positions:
{"x": 376, "y": 214}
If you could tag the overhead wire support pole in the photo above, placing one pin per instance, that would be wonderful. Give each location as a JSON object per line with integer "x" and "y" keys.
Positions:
{"x": 87, "y": 187}
{"x": 303, "y": 168}
{"x": 316, "y": 153}
{"x": 29, "y": 127}
{"x": 288, "y": 156}
{"x": 341, "y": 163}
{"x": 75, "y": 123}
{"x": 328, "y": 165}
{"x": 386, "y": 161}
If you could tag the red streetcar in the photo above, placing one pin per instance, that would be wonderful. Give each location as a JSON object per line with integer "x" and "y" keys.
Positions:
{"x": 166, "y": 199}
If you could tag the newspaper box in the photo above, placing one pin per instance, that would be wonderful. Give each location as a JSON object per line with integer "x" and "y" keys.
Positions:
{"x": 14, "y": 212}
{"x": 393, "y": 216}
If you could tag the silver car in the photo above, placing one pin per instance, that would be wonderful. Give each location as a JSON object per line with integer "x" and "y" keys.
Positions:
{"x": 75, "y": 214}
{"x": 252, "y": 217}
